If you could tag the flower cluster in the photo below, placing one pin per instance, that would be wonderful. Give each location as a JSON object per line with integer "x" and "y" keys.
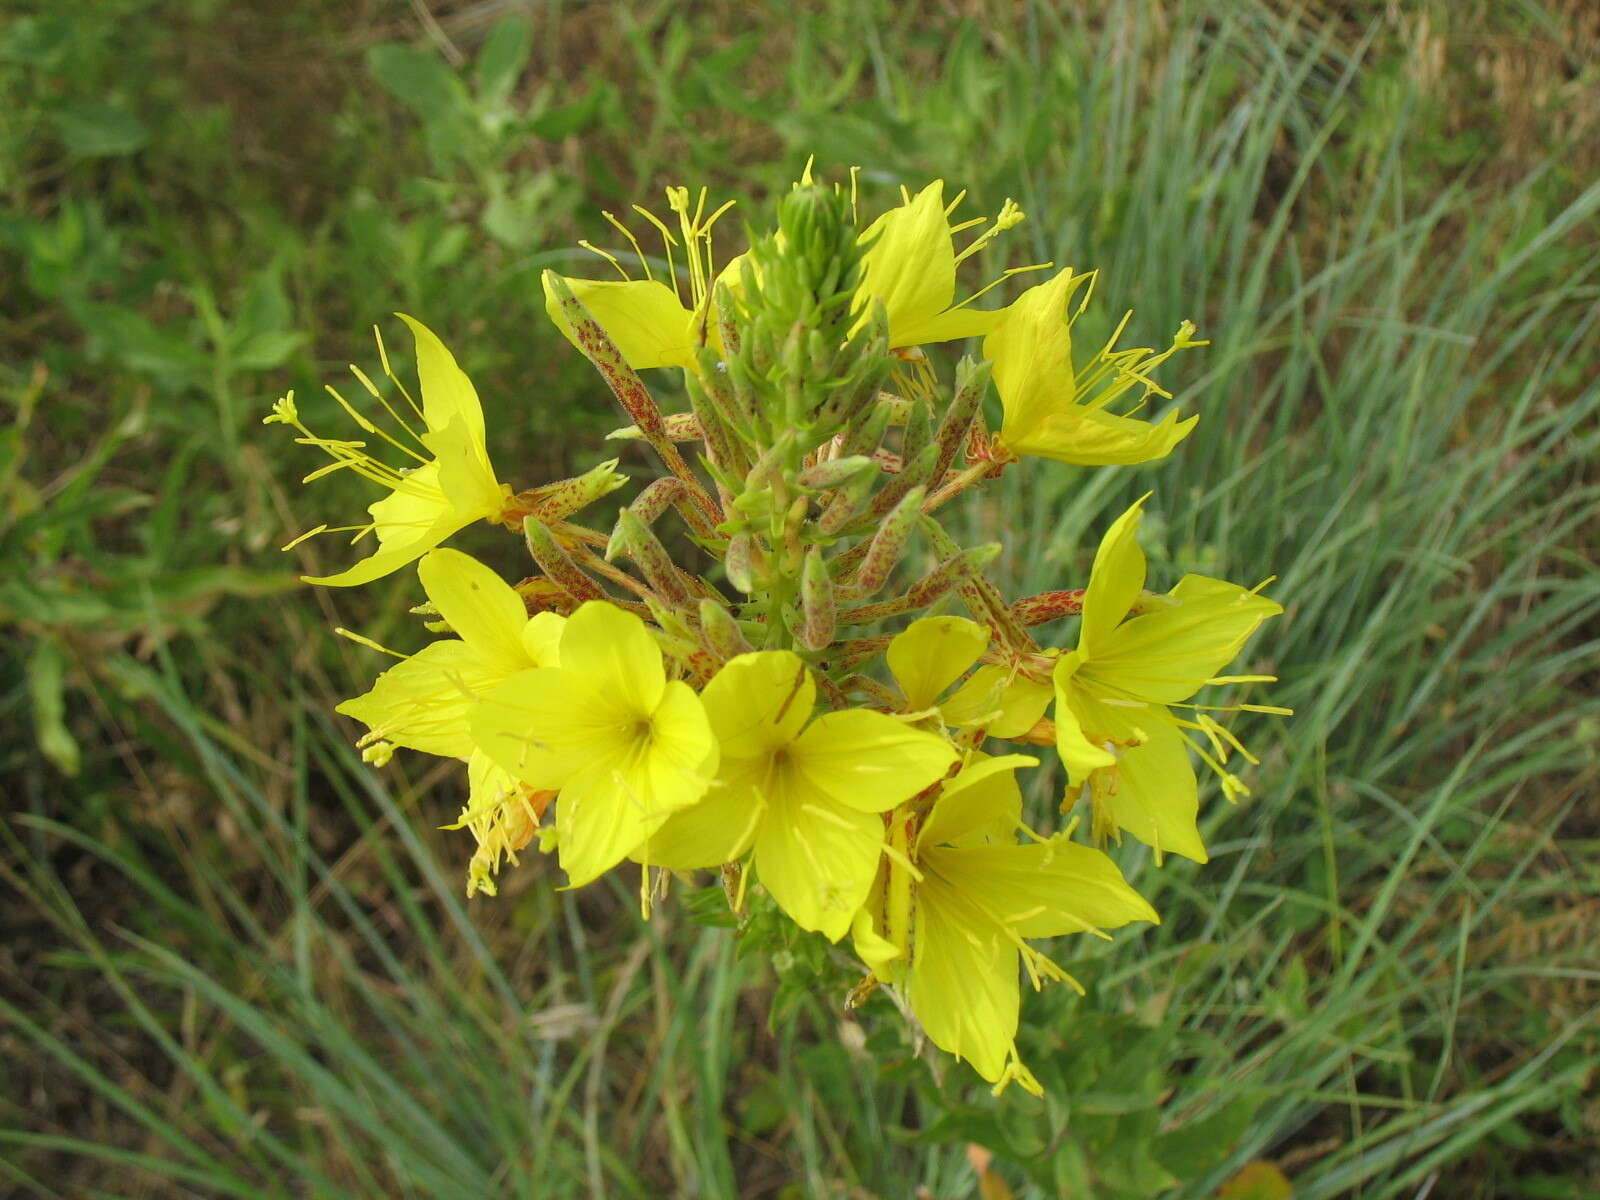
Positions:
{"x": 806, "y": 714}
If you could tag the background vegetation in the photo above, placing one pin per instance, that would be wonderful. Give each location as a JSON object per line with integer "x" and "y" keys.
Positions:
{"x": 237, "y": 962}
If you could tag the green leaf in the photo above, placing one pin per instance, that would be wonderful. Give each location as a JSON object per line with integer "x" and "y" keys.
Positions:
{"x": 267, "y": 351}
{"x": 501, "y": 60}
{"x": 47, "y": 670}
{"x": 418, "y": 80}
{"x": 265, "y": 307}
{"x": 126, "y": 337}
{"x": 1199, "y": 1146}
{"x": 97, "y": 130}
{"x": 566, "y": 119}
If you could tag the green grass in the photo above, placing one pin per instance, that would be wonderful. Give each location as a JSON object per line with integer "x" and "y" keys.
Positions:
{"x": 237, "y": 961}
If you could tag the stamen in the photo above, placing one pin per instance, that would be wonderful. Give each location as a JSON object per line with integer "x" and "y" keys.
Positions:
{"x": 306, "y": 536}
{"x": 899, "y": 859}
{"x": 361, "y": 640}
{"x": 1001, "y": 278}
{"x": 633, "y": 241}
{"x": 371, "y": 428}
{"x": 605, "y": 254}
{"x": 667, "y": 242}
{"x": 388, "y": 373}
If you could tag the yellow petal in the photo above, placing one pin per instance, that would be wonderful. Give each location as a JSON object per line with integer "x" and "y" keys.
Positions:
{"x": 1168, "y": 655}
{"x": 397, "y": 552}
{"x": 1031, "y": 349}
{"x": 882, "y": 956}
{"x": 465, "y": 477}
{"x": 909, "y": 264}
{"x": 1043, "y": 889}
{"x": 932, "y": 654}
{"x": 541, "y": 639}
{"x": 613, "y": 652}
{"x": 816, "y": 858}
{"x": 949, "y": 326}
{"x": 1151, "y": 792}
{"x": 1006, "y": 706}
{"x": 644, "y": 319}
{"x": 760, "y": 701}
{"x": 1094, "y": 438}
{"x": 1115, "y": 580}
{"x": 868, "y": 761}
{"x": 717, "y": 829}
{"x": 425, "y": 701}
{"x": 538, "y": 725}
{"x": 963, "y": 980}
{"x": 1078, "y": 754}
{"x": 621, "y": 795}
{"x": 480, "y": 607}
{"x": 447, "y": 393}
{"x": 983, "y": 801}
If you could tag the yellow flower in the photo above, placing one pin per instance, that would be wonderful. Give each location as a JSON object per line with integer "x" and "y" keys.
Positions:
{"x": 951, "y": 908}
{"x": 1054, "y": 410}
{"x": 651, "y": 322}
{"x": 450, "y": 483}
{"x": 910, "y": 265}
{"x": 933, "y": 653}
{"x": 1114, "y": 728}
{"x": 803, "y": 793}
{"x": 625, "y": 746}
{"x": 425, "y": 701}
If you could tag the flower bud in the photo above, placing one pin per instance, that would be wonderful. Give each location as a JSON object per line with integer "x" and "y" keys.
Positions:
{"x": 740, "y": 561}
{"x": 1048, "y": 606}
{"x": 816, "y": 627}
{"x": 972, "y": 379}
{"x": 639, "y": 543}
{"x": 720, "y": 632}
{"x": 889, "y": 543}
{"x": 838, "y": 472}
{"x": 557, "y": 564}
{"x": 563, "y": 498}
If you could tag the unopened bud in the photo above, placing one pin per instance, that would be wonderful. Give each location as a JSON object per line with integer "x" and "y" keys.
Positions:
{"x": 969, "y": 564}
{"x": 679, "y": 427}
{"x": 557, "y": 564}
{"x": 972, "y": 379}
{"x": 642, "y": 545}
{"x": 729, "y": 316}
{"x": 847, "y": 503}
{"x": 816, "y": 626}
{"x": 740, "y": 562}
{"x": 889, "y": 543}
{"x": 838, "y": 472}
{"x": 561, "y": 499}
{"x": 865, "y": 434}
{"x": 1048, "y": 606}
{"x": 720, "y": 632}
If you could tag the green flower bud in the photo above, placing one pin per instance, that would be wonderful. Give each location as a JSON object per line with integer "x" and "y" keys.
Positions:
{"x": 889, "y": 543}
{"x": 816, "y": 627}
